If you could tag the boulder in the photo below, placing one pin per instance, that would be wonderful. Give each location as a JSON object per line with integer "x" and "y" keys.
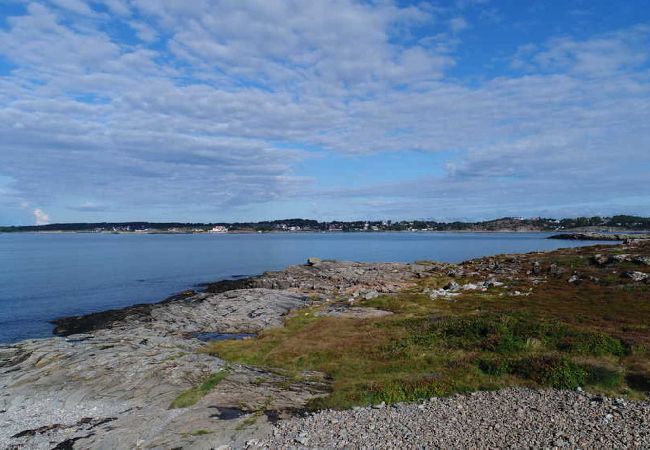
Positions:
{"x": 455, "y": 273}
{"x": 555, "y": 270}
{"x": 492, "y": 283}
{"x": 370, "y": 295}
{"x": 644, "y": 260}
{"x": 637, "y": 276}
{"x": 620, "y": 258}
{"x": 600, "y": 260}
{"x": 451, "y": 286}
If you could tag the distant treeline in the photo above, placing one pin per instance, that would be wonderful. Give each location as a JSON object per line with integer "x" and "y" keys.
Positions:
{"x": 506, "y": 223}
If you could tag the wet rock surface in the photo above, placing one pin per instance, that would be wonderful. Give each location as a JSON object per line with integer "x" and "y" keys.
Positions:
{"x": 600, "y": 236}
{"x": 510, "y": 418}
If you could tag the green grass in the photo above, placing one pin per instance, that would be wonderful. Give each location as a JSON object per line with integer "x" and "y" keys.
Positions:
{"x": 200, "y": 432}
{"x": 193, "y": 395}
{"x": 549, "y": 370}
{"x": 249, "y": 421}
{"x": 505, "y": 334}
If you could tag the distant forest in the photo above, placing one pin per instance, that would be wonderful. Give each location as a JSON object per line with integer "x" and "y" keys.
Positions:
{"x": 506, "y": 223}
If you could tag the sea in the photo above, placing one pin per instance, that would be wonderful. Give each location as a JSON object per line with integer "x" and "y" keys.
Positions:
{"x": 48, "y": 275}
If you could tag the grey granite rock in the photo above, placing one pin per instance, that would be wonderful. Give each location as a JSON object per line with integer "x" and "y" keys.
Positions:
{"x": 637, "y": 276}
{"x": 113, "y": 388}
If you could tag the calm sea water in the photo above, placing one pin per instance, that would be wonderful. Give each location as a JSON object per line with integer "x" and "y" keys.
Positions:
{"x": 44, "y": 276}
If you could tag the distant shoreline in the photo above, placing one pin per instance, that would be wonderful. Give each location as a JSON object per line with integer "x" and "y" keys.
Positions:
{"x": 596, "y": 224}
{"x": 570, "y": 234}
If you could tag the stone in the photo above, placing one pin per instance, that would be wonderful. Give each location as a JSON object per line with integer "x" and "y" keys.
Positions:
{"x": 313, "y": 261}
{"x": 479, "y": 420}
{"x": 452, "y": 286}
{"x": 555, "y": 270}
{"x": 455, "y": 273}
{"x": 599, "y": 259}
{"x": 370, "y": 295}
{"x": 637, "y": 276}
{"x": 620, "y": 258}
{"x": 437, "y": 293}
{"x": 352, "y": 312}
{"x": 644, "y": 260}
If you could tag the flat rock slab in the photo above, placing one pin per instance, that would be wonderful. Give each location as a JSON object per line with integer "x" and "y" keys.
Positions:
{"x": 353, "y": 312}
{"x": 112, "y": 388}
{"x": 333, "y": 278}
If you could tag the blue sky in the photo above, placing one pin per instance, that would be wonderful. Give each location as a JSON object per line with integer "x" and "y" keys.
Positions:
{"x": 235, "y": 110}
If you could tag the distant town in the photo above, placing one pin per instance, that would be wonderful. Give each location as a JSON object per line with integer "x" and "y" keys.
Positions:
{"x": 613, "y": 223}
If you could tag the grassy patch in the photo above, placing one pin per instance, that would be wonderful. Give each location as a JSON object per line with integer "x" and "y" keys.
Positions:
{"x": 249, "y": 421}
{"x": 200, "y": 432}
{"x": 411, "y": 303}
{"x": 506, "y": 334}
{"x": 193, "y": 395}
{"x": 548, "y": 370}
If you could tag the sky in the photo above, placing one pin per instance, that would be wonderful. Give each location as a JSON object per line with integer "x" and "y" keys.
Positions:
{"x": 244, "y": 110}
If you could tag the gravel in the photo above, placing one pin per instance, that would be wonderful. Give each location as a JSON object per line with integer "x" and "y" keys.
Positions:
{"x": 509, "y": 418}
{"x": 26, "y": 427}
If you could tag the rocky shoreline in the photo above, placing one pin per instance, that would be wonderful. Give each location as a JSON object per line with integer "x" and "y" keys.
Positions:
{"x": 109, "y": 379}
{"x": 593, "y": 236}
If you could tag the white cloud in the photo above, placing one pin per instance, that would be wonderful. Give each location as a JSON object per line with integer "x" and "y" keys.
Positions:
{"x": 144, "y": 31}
{"x": 599, "y": 56}
{"x": 220, "y": 117}
{"x": 40, "y": 217}
{"x": 458, "y": 24}
{"x": 88, "y": 207}
{"x": 76, "y": 6}
{"x": 119, "y": 7}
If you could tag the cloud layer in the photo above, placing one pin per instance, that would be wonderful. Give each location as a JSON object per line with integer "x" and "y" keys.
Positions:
{"x": 222, "y": 110}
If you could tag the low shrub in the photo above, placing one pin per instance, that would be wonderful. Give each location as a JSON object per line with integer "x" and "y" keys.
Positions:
{"x": 494, "y": 366}
{"x": 596, "y": 344}
{"x": 511, "y": 334}
{"x": 603, "y": 376}
{"x": 558, "y": 372}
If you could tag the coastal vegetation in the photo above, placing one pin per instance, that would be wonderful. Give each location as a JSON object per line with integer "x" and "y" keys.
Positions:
{"x": 593, "y": 333}
{"x": 193, "y": 395}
